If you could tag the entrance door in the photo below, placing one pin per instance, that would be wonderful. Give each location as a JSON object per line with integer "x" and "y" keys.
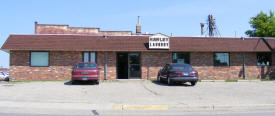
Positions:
{"x": 122, "y": 65}
{"x": 128, "y": 65}
{"x": 134, "y": 65}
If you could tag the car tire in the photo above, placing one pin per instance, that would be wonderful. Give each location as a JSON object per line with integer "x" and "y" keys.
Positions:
{"x": 158, "y": 78}
{"x": 97, "y": 82}
{"x": 7, "y": 79}
{"x": 73, "y": 82}
{"x": 193, "y": 83}
{"x": 169, "y": 81}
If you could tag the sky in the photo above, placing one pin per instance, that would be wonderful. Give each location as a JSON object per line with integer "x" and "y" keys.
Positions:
{"x": 176, "y": 17}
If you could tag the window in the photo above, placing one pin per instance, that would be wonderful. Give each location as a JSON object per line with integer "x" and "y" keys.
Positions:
{"x": 264, "y": 59}
{"x": 181, "y": 67}
{"x": 181, "y": 58}
{"x": 221, "y": 59}
{"x": 85, "y": 65}
{"x": 89, "y": 57}
{"x": 39, "y": 59}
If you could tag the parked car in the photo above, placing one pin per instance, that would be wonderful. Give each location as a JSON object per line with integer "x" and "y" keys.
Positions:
{"x": 7, "y": 73}
{"x": 178, "y": 72}
{"x": 85, "y": 71}
{"x": 4, "y": 76}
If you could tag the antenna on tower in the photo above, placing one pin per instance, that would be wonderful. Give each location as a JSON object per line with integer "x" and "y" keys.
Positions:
{"x": 202, "y": 29}
{"x": 212, "y": 27}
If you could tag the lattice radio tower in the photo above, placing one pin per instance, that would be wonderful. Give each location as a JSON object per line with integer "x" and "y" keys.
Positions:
{"x": 212, "y": 29}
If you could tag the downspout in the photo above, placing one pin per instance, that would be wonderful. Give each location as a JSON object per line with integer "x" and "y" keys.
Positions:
{"x": 105, "y": 65}
{"x": 244, "y": 66}
{"x": 243, "y": 63}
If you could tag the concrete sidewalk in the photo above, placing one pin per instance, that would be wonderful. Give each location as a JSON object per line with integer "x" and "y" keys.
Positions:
{"x": 138, "y": 95}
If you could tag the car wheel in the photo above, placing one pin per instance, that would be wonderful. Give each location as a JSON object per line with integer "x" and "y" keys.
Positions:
{"x": 169, "y": 81}
{"x": 7, "y": 79}
{"x": 193, "y": 83}
{"x": 73, "y": 82}
{"x": 158, "y": 78}
{"x": 97, "y": 82}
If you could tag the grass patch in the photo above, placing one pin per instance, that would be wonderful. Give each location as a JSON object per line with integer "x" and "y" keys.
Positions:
{"x": 231, "y": 80}
{"x": 267, "y": 79}
{"x": 153, "y": 80}
{"x": 18, "y": 81}
{"x": 109, "y": 80}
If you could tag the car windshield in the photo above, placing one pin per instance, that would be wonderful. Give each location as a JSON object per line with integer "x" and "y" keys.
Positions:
{"x": 85, "y": 65}
{"x": 181, "y": 67}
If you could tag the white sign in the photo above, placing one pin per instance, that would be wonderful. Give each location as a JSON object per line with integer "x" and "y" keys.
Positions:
{"x": 159, "y": 41}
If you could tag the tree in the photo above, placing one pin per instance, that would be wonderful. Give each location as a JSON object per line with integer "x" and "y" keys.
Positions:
{"x": 263, "y": 25}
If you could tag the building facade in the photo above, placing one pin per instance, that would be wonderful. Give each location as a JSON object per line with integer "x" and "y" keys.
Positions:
{"x": 52, "y": 51}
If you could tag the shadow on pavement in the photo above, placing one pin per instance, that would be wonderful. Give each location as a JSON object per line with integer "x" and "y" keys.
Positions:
{"x": 80, "y": 83}
{"x": 174, "y": 84}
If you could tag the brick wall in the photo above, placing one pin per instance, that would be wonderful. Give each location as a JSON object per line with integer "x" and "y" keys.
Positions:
{"x": 111, "y": 65}
{"x": 60, "y": 68}
{"x": 203, "y": 63}
{"x": 4, "y": 69}
{"x": 61, "y": 64}
{"x": 152, "y": 62}
{"x": 65, "y": 29}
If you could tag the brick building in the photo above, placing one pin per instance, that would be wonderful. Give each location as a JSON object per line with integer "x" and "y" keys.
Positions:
{"x": 51, "y": 52}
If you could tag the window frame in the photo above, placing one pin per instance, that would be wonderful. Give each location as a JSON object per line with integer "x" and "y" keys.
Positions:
{"x": 89, "y": 56}
{"x": 189, "y": 59}
{"x": 30, "y": 59}
{"x": 270, "y": 58}
{"x": 215, "y": 65}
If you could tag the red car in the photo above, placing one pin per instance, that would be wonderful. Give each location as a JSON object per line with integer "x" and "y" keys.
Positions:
{"x": 85, "y": 71}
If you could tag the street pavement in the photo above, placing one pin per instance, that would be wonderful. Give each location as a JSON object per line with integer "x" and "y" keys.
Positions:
{"x": 268, "y": 112}
{"x": 62, "y": 98}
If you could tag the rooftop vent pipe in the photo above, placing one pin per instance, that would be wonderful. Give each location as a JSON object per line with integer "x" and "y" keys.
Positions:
{"x": 138, "y": 26}
{"x": 105, "y": 36}
{"x": 202, "y": 31}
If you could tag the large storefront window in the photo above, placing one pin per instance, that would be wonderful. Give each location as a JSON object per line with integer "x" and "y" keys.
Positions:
{"x": 264, "y": 59}
{"x": 221, "y": 59}
{"x": 181, "y": 57}
{"x": 39, "y": 59}
{"x": 89, "y": 57}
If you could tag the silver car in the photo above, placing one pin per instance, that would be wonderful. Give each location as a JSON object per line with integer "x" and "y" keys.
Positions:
{"x": 4, "y": 76}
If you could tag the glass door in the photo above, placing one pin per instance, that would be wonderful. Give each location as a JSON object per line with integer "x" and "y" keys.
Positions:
{"x": 134, "y": 65}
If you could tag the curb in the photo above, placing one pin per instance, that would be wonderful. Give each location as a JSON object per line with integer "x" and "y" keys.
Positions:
{"x": 224, "y": 107}
{"x": 140, "y": 107}
{"x": 193, "y": 107}
{"x": 87, "y": 106}
{"x": 254, "y": 80}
